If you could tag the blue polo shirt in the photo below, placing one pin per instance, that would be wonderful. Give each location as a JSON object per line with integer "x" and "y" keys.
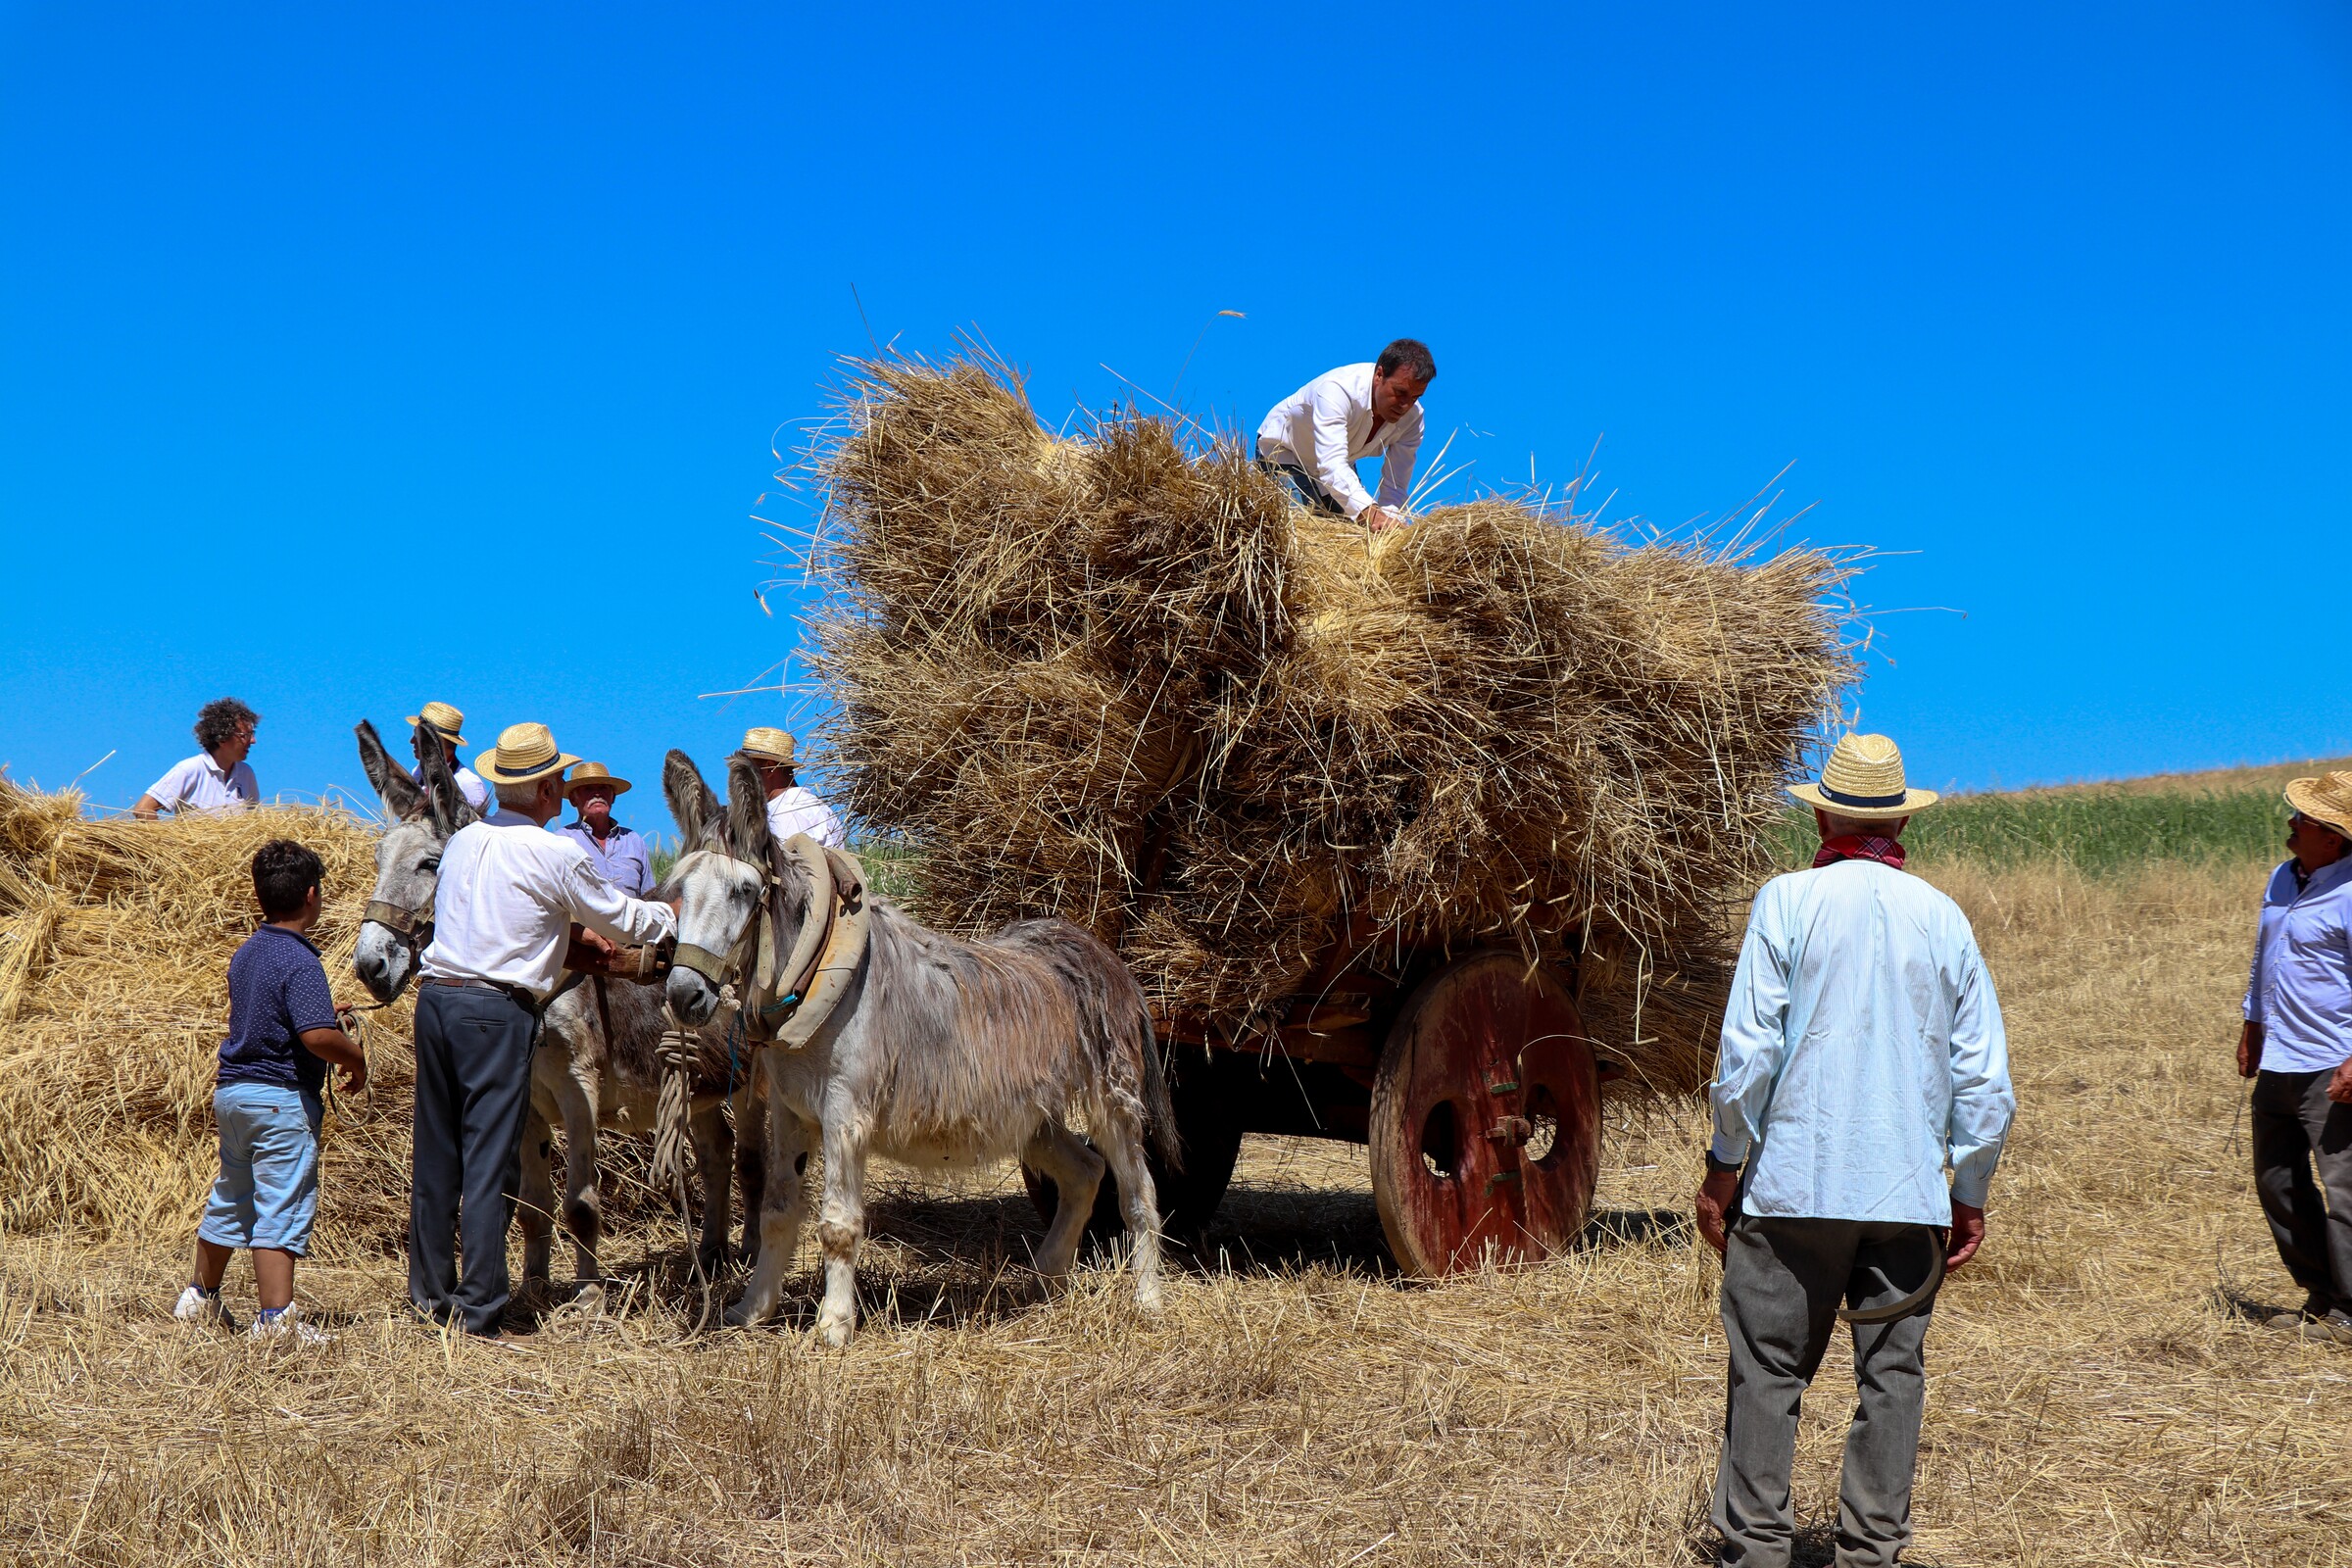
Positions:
{"x": 277, "y": 990}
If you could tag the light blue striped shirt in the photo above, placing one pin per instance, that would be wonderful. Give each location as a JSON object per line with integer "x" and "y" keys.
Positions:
{"x": 2301, "y": 989}
{"x": 1862, "y": 1050}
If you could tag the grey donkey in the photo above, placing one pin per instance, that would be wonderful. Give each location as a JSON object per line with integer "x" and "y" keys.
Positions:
{"x": 595, "y": 1067}
{"x": 941, "y": 1054}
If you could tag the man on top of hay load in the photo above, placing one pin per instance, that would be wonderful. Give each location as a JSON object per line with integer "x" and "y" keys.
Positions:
{"x": 790, "y": 808}
{"x": 1862, "y": 1049}
{"x": 2296, "y": 1044}
{"x": 217, "y": 779}
{"x": 1317, "y": 435}
{"x": 508, "y": 895}
{"x": 449, "y": 724}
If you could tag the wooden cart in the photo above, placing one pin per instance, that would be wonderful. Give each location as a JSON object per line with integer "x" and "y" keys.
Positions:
{"x": 1467, "y": 1074}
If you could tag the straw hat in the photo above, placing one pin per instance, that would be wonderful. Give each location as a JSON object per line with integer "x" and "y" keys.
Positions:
{"x": 2327, "y": 798}
{"x": 1863, "y": 779}
{"x": 444, "y": 719}
{"x": 524, "y": 753}
{"x": 768, "y": 745}
{"x": 594, "y": 773}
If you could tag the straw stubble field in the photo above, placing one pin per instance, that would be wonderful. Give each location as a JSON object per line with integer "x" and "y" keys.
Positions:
{"x": 2098, "y": 1394}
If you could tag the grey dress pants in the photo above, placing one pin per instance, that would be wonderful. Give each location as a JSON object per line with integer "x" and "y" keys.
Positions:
{"x": 474, "y": 1084}
{"x": 2296, "y": 1127}
{"x": 1782, "y": 1283}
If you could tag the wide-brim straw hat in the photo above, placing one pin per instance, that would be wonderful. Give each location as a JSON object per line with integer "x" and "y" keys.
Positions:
{"x": 769, "y": 744}
{"x": 1863, "y": 779}
{"x": 2325, "y": 798}
{"x": 594, "y": 773}
{"x": 446, "y": 721}
{"x": 524, "y": 753}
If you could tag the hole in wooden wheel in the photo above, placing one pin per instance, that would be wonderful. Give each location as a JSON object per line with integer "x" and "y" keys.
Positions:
{"x": 1544, "y": 1115}
{"x": 1442, "y": 1140}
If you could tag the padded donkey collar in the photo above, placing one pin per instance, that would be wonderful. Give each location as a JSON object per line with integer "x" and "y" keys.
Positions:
{"x": 821, "y": 989}
{"x": 783, "y": 978}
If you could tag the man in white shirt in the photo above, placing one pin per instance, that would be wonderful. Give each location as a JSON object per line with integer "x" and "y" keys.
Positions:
{"x": 510, "y": 892}
{"x": 1317, "y": 435}
{"x": 449, "y": 724}
{"x": 216, "y": 780}
{"x": 1862, "y": 1054}
{"x": 790, "y": 809}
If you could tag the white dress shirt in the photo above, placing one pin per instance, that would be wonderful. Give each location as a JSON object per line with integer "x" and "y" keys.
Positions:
{"x": 796, "y": 811}
{"x": 510, "y": 891}
{"x": 469, "y": 785}
{"x": 200, "y": 784}
{"x": 1862, "y": 1048}
{"x": 1326, "y": 427}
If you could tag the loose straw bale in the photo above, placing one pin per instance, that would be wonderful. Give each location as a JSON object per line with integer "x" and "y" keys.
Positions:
{"x": 115, "y": 941}
{"x": 1134, "y": 686}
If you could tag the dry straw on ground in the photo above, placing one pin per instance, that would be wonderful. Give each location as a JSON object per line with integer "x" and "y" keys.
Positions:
{"x": 1133, "y": 685}
{"x": 2097, "y": 1394}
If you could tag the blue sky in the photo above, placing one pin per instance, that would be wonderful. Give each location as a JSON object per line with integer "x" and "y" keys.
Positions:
{"x": 349, "y": 359}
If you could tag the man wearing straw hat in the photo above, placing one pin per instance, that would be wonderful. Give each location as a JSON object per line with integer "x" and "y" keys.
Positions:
{"x": 790, "y": 808}
{"x": 509, "y": 894}
{"x": 1862, "y": 1052}
{"x": 621, "y": 854}
{"x": 449, "y": 724}
{"x": 2296, "y": 1044}
{"x": 1317, "y": 435}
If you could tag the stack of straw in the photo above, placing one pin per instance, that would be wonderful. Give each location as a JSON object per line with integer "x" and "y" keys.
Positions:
{"x": 115, "y": 941}
{"x": 1134, "y": 686}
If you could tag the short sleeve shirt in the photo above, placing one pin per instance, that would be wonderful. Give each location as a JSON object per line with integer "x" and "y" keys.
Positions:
{"x": 200, "y": 784}
{"x": 277, "y": 990}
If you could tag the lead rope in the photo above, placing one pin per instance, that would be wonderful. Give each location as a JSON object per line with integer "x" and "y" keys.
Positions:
{"x": 679, "y": 1050}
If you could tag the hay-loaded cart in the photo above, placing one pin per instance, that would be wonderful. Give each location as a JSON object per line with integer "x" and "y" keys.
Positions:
{"x": 1467, "y": 1074}
{"x": 1380, "y": 823}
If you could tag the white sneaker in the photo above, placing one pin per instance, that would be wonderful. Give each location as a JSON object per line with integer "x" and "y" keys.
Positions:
{"x": 287, "y": 1325}
{"x": 195, "y": 1307}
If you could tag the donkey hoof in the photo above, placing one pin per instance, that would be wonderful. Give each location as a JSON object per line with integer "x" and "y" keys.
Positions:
{"x": 1148, "y": 1297}
{"x": 589, "y": 1299}
{"x": 742, "y": 1316}
{"x": 833, "y": 1329}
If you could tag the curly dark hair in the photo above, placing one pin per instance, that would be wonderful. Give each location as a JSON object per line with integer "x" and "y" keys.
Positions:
{"x": 219, "y": 719}
{"x": 283, "y": 874}
{"x": 1410, "y": 354}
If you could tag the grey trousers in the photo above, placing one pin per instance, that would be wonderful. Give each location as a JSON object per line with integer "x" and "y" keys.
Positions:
{"x": 2295, "y": 1126}
{"x": 474, "y": 1084}
{"x": 1782, "y": 1283}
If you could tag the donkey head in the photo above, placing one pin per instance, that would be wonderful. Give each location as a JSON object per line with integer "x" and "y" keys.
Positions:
{"x": 408, "y": 858}
{"x": 720, "y": 876}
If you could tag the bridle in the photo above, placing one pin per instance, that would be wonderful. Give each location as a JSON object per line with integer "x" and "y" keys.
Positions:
{"x": 413, "y": 927}
{"x": 784, "y": 996}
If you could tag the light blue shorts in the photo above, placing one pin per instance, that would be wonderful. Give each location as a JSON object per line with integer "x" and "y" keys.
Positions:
{"x": 267, "y": 1191}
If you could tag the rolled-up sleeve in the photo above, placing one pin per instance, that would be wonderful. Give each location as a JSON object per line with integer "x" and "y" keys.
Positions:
{"x": 1754, "y": 1036}
{"x": 611, "y": 913}
{"x": 1983, "y": 1101}
{"x": 1397, "y": 463}
{"x": 1328, "y": 402}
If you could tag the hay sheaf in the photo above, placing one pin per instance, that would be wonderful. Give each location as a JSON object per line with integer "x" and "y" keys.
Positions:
{"x": 115, "y": 941}
{"x": 1131, "y": 685}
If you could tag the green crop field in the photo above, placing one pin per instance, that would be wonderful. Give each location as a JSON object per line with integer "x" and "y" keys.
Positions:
{"x": 2097, "y": 830}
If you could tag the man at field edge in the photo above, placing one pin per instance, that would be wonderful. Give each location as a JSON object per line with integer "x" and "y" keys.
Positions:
{"x": 790, "y": 808}
{"x": 2296, "y": 1044}
{"x": 508, "y": 896}
{"x": 1317, "y": 435}
{"x": 1862, "y": 1049}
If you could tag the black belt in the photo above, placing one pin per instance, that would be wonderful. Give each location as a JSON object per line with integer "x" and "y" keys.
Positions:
{"x": 517, "y": 995}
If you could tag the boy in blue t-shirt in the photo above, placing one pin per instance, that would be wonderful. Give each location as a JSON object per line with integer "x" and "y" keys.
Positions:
{"x": 283, "y": 1030}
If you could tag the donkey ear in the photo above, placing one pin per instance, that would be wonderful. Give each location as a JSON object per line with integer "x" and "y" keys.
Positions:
{"x": 401, "y": 796}
{"x": 442, "y": 796}
{"x": 692, "y": 806}
{"x": 747, "y": 834}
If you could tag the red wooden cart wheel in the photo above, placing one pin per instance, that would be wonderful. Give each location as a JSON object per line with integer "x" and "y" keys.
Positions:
{"x": 1486, "y": 1119}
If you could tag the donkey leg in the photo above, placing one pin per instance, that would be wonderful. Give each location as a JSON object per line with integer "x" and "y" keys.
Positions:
{"x": 751, "y": 1157}
{"x": 714, "y": 1163}
{"x": 536, "y": 1199}
{"x": 1076, "y": 1172}
{"x": 841, "y": 1226}
{"x": 1121, "y": 1136}
{"x": 583, "y": 1205}
{"x": 781, "y": 1206}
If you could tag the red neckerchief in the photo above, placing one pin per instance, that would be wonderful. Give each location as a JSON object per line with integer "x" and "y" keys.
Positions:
{"x": 1860, "y": 847}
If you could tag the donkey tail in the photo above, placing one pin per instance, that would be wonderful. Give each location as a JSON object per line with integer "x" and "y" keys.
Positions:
{"x": 1160, "y": 1111}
